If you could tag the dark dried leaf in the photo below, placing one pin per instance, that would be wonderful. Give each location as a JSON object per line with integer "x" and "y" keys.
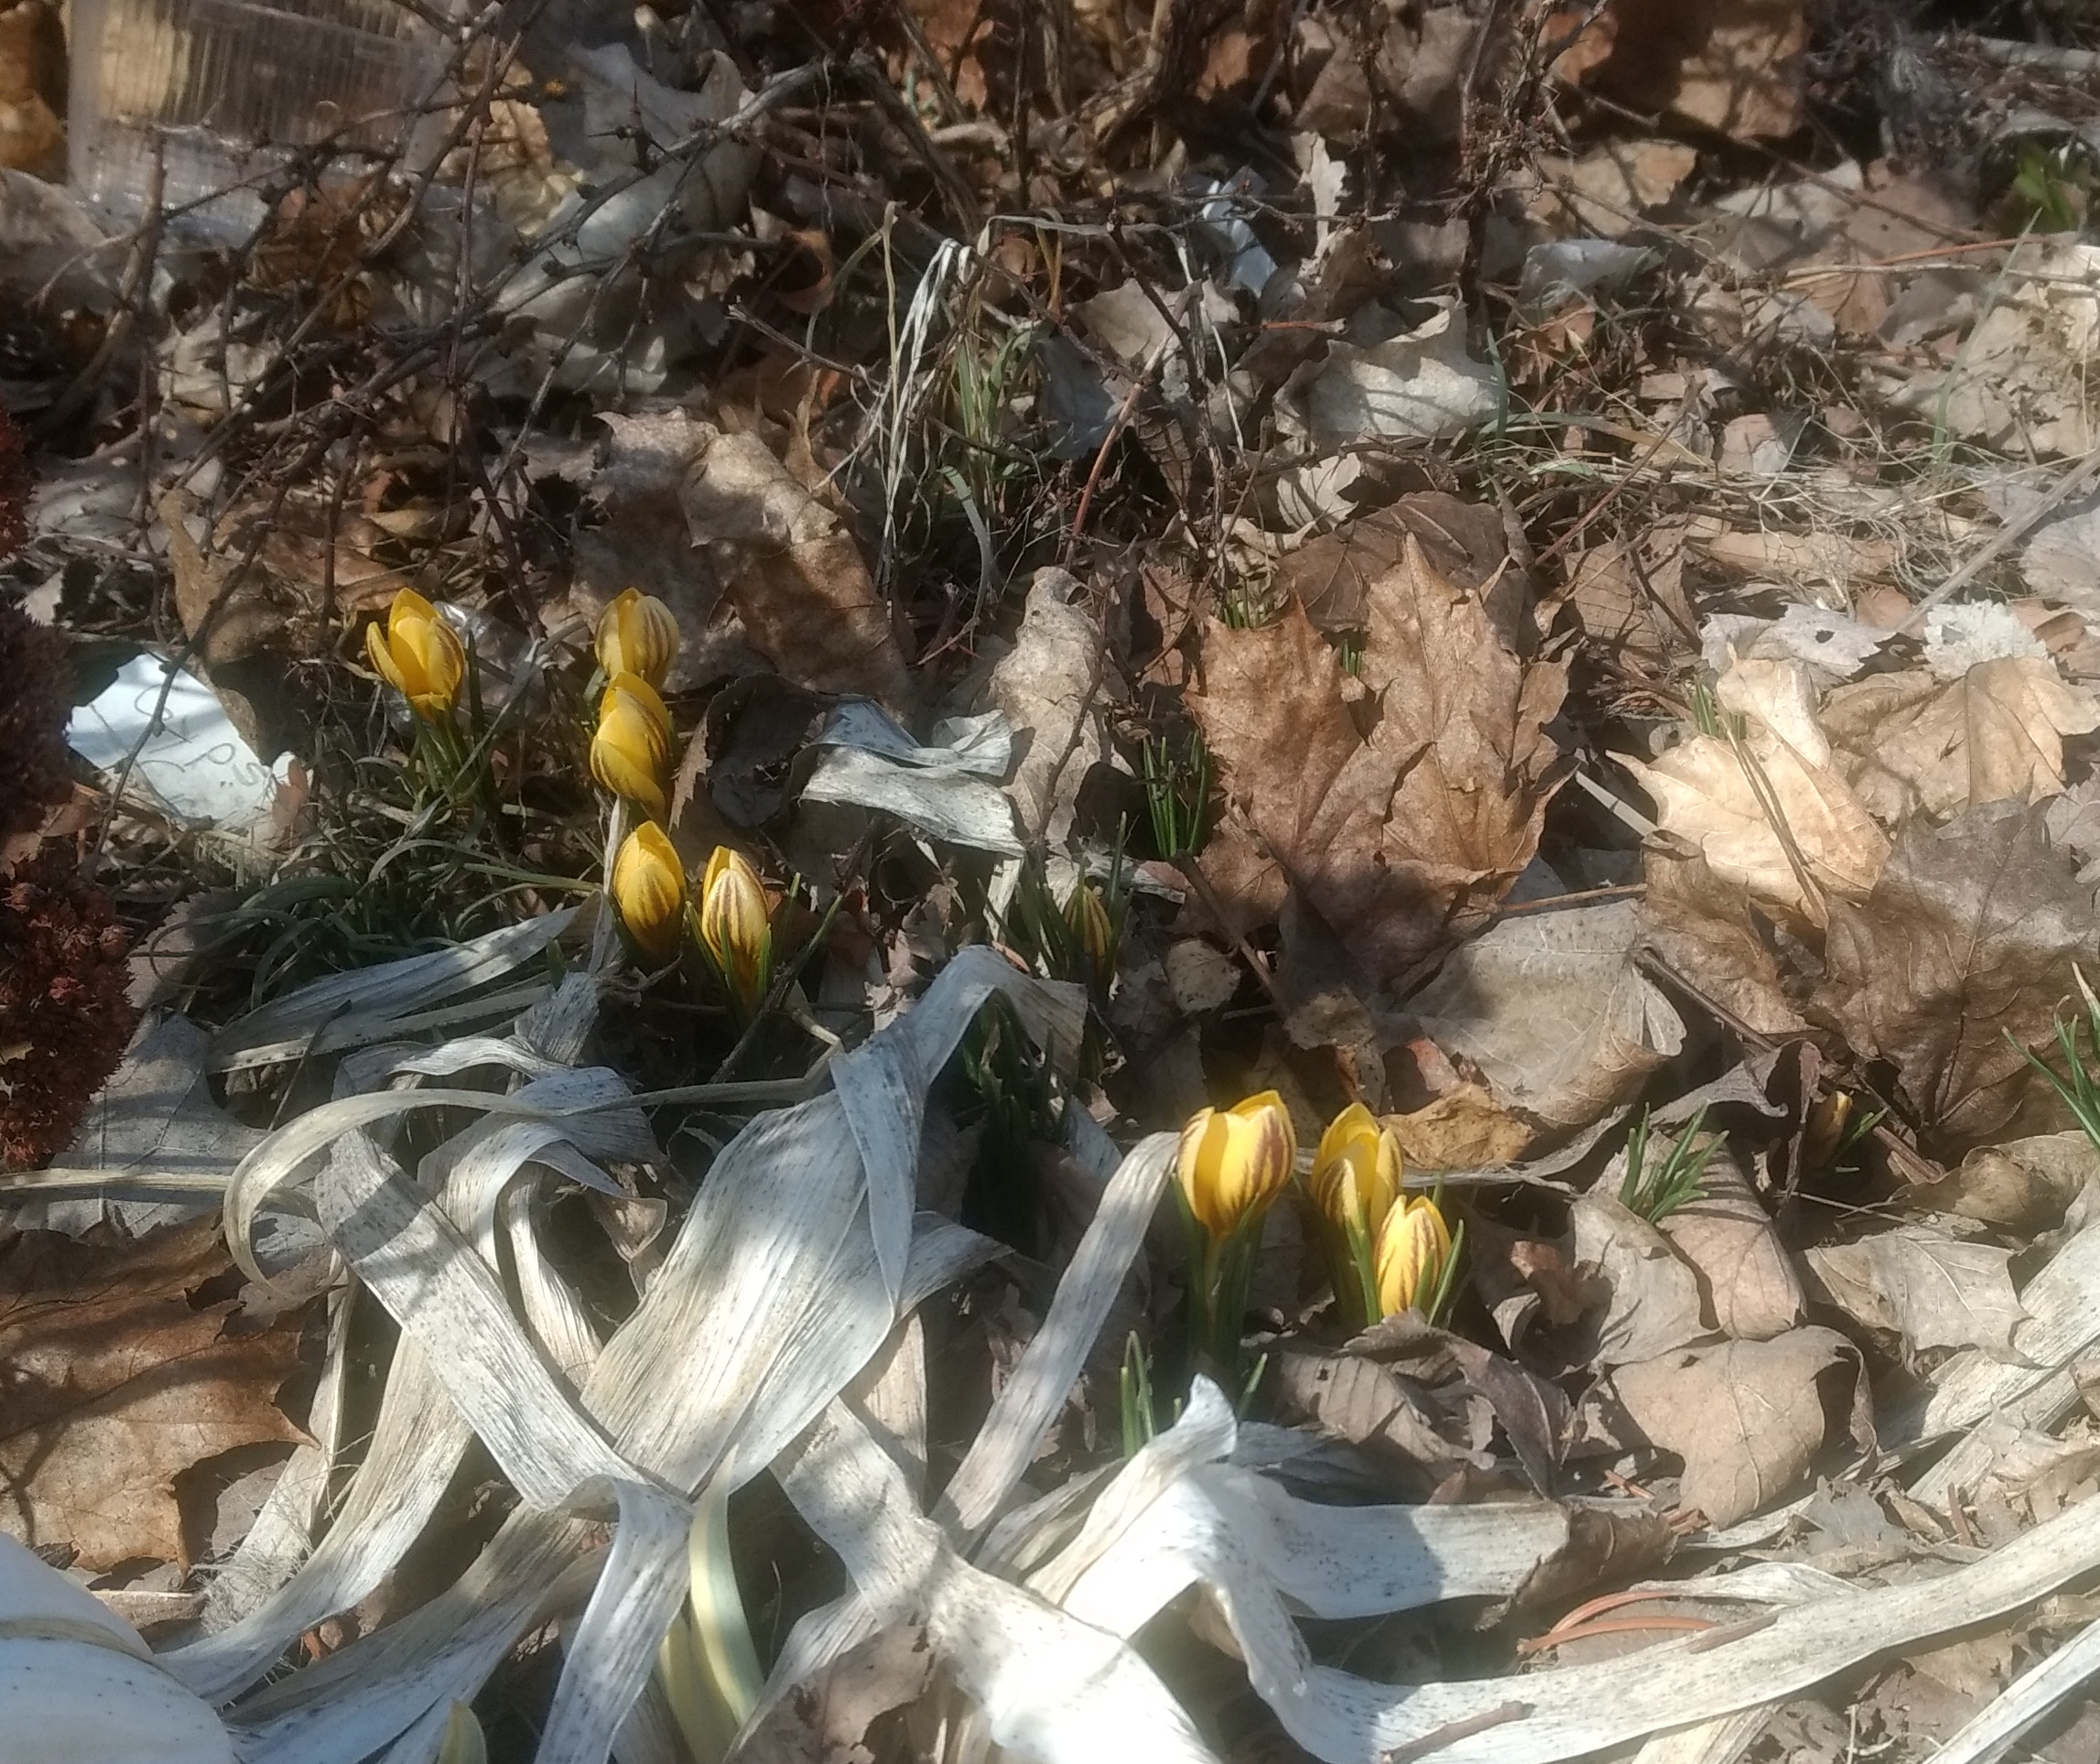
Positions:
{"x": 1405, "y": 836}
{"x": 1706, "y": 931}
{"x": 118, "y": 1381}
{"x": 1968, "y": 936}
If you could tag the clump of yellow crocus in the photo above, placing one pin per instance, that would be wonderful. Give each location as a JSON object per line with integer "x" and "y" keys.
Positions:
{"x": 1231, "y": 1164}
{"x": 631, "y": 750}
{"x": 417, "y": 654}
{"x": 736, "y": 928}
{"x": 636, "y": 634}
{"x": 649, "y": 891}
{"x": 1354, "y": 1182}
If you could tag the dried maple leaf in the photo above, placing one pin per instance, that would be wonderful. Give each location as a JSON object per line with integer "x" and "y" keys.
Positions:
{"x": 1909, "y": 741}
{"x": 1709, "y": 933}
{"x": 118, "y": 1381}
{"x": 1968, "y": 938}
{"x": 1767, "y": 810}
{"x": 1402, "y": 835}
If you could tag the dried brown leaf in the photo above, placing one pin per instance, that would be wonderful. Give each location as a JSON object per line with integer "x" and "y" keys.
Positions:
{"x": 1732, "y": 65}
{"x": 1404, "y": 836}
{"x": 1908, "y": 742}
{"x": 1707, "y": 932}
{"x": 1746, "y": 1416}
{"x": 1333, "y": 577}
{"x": 1749, "y": 1285}
{"x": 1653, "y": 1303}
{"x": 1349, "y": 1397}
{"x": 1968, "y": 938}
{"x": 1464, "y": 1128}
{"x": 1532, "y": 1413}
{"x": 1552, "y": 1010}
{"x": 793, "y": 572}
{"x": 1935, "y": 1290}
{"x": 1713, "y": 792}
{"x": 2024, "y": 1185}
{"x": 121, "y": 1374}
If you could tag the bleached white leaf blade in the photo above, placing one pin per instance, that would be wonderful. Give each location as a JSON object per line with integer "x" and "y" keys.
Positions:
{"x": 1029, "y": 1404}
{"x": 85, "y": 1704}
{"x": 1048, "y": 1689}
{"x": 1542, "y": 1717}
{"x": 1203, "y": 1433}
{"x": 392, "y": 988}
{"x": 446, "y": 1297}
{"x": 343, "y": 1708}
{"x": 417, "y": 1443}
{"x": 281, "y": 1157}
{"x": 610, "y": 1651}
{"x": 78, "y": 1684}
{"x": 883, "y": 1097}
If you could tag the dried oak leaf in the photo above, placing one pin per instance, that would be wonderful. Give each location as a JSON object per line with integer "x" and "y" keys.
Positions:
{"x": 1746, "y": 1416}
{"x": 1968, "y": 938}
{"x": 1403, "y": 835}
{"x": 121, "y": 1374}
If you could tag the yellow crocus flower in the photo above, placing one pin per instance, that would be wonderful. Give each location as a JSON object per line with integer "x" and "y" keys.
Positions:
{"x": 632, "y": 748}
{"x": 1234, "y": 1161}
{"x": 637, "y": 635}
{"x": 736, "y": 925}
{"x": 1356, "y": 1171}
{"x": 649, "y": 891}
{"x": 417, "y": 654}
{"x": 1414, "y": 1244}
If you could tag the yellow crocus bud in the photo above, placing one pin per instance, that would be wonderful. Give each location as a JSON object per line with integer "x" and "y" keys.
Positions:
{"x": 649, "y": 889}
{"x": 1235, "y": 1161}
{"x": 1087, "y": 913}
{"x": 1414, "y": 1244}
{"x": 417, "y": 654}
{"x": 736, "y": 925}
{"x": 1356, "y": 1171}
{"x": 632, "y": 748}
{"x": 637, "y": 635}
